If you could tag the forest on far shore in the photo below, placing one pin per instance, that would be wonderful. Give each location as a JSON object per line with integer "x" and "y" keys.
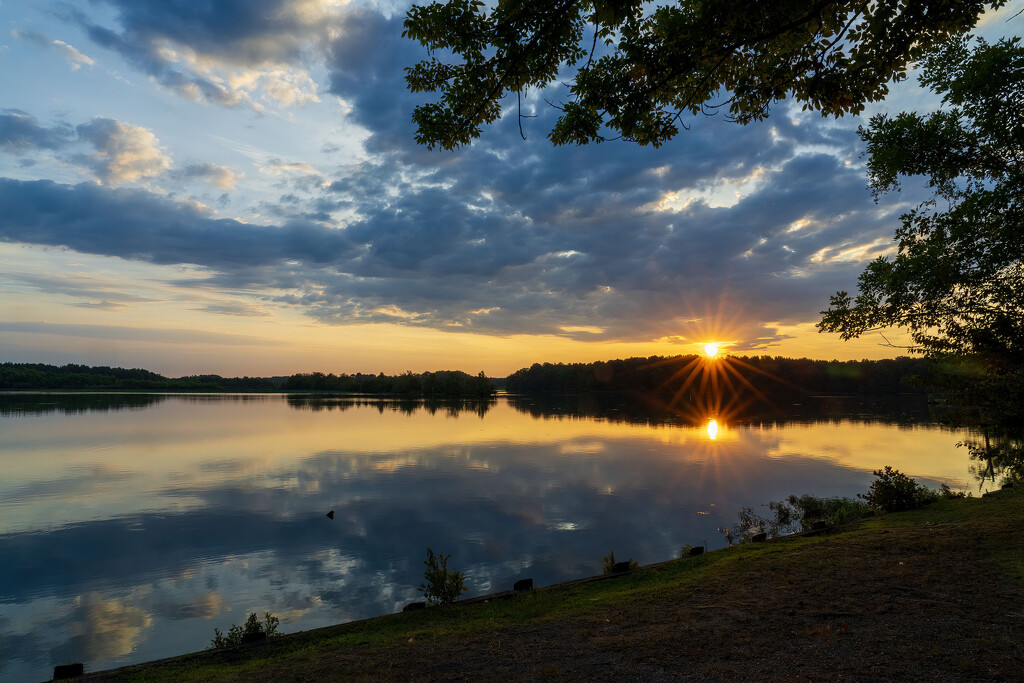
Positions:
{"x": 655, "y": 374}
{"x": 39, "y": 376}
{"x": 766, "y": 374}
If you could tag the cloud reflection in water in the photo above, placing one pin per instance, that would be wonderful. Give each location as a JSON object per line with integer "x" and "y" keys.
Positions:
{"x": 206, "y": 509}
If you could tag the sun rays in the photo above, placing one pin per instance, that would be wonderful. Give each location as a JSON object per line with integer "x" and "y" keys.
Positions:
{"x": 712, "y": 389}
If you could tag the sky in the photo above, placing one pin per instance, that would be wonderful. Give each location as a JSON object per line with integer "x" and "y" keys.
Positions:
{"x": 233, "y": 187}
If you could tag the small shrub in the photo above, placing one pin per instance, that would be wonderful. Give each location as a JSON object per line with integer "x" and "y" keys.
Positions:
{"x": 442, "y": 586}
{"x": 893, "y": 491}
{"x": 787, "y": 518}
{"x": 609, "y": 563}
{"x": 725, "y": 531}
{"x": 750, "y": 524}
{"x": 794, "y": 513}
{"x": 947, "y": 493}
{"x": 252, "y": 627}
{"x": 832, "y": 511}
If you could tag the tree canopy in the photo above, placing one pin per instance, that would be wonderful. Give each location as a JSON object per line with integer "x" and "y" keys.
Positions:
{"x": 637, "y": 67}
{"x": 956, "y": 282}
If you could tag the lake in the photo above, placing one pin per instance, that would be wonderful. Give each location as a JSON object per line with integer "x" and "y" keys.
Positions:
{"x": 131, "y": 525}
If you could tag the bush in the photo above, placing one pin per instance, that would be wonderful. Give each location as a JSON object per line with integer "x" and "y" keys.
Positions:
{"x": 750, "y": 524}
{"x": 250, "y": 630}
{"x": 947, "y": 493}
{"x": 794, "y": 513}
{"x": 832, "y": 511}
{"x": 442, "y": 586}
{"x": 609, "y": 563}
{"x": 894, "y": 491}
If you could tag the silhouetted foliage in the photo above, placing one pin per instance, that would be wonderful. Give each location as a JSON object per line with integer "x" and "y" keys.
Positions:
{"x": 609, "y": 563}
{"x": 893, "y": 491}
{"x": 446, "y": 383}
{"x": 33, "y": 376}
{"x": 638, "y": 70}
{"x": 441, "y": 586}
{"x": 251, "y": 630}
{"x": 766, "y": 374}
{"x": 796, "y": 513}
{"x": 956, "y": 281}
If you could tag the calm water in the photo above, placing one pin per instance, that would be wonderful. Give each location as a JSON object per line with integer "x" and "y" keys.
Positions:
{"x": 132, "y": 525}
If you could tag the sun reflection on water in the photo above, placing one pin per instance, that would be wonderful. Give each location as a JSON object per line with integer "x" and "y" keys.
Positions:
{"x": 712, "y": 429}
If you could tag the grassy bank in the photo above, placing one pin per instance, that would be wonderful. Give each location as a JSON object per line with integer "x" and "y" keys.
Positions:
{"x": 933, "y": 593}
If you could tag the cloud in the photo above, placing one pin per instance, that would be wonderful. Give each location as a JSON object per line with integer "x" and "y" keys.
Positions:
{"x": 120, "y": 152}
{"x": 138, "y": 225}
{"x": 103, "y": 628}
{"x": 74, "y": 57}
{"x": 117, "y": 332}
{"x": 234, "y": 53}
{"x": 246, "y": 310}
{"x": 20, "y": 133}
{"x": 604, "y": 242}
{"x": 547, "y": 243}
{"x": 123, "y": 152}
{"x": 275, "y": 166}
{"x": 105, "y": 294}
{"x": 219, "y": 176}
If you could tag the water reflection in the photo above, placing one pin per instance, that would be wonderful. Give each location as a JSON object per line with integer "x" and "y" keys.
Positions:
{"x": 997, "y": 455}
{"x": 129, "y": 534}
{"x": 451, "y": 407}
{"x": 777, "y": 409}
{"x": 14, "y": 404}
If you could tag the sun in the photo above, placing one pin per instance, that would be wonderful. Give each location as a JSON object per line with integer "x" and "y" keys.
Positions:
{"x": 711, "y": 350}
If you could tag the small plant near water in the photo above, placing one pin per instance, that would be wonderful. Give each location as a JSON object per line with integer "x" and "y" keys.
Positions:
{"x": 947, "y": 493}
{"x": 609, "y": 563}
{"x": 893, "y": 491}
{"x": 441, "y": 586}
{"x": 252, "y": 629}
{"x": 832, "y": 511}
{"x": 793, "y": 514}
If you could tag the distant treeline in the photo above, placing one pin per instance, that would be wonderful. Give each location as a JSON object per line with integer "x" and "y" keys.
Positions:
{"x": 447, "y": 383}
{"x": 38, "y": 376}
{"x": 28, "y": 376}
{"x": 766, "y": 374}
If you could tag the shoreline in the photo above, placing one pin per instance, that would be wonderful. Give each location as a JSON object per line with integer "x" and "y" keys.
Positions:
{"x": 928, "y": 560}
